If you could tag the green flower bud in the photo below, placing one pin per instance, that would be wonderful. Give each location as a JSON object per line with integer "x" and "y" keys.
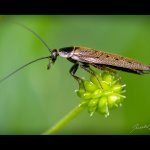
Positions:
{"x": 92, "y": 102}
{"x": 97, "y": 93}
{"x": 107, "y": 77}
{"x": 112, "y": 100}
{"x": 102, "y": 93}
{"x": 80, "y": 92}
{"x": 92, "y": 110}
{"x": 105, "y": 85}
{"x": 102, "y": 104}
{"x": 96, "y": 79}
{"x": 90, "y": 86}
{"x": 118, "y": 87}
{"x": 86, "y": 95}
{"x": 92, "y": 106}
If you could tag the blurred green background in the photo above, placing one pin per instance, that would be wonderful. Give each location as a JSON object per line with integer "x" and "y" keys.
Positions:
{"x": 35, "y": 99}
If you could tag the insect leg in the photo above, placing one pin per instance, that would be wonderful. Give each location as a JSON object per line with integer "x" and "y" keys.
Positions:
{"x": 87, "y": 68}
{"x": 108, "y": 70}
{"x": 105, "y": 68}
{"x": 49, "y": 64}
{"x": 73, "y": 70}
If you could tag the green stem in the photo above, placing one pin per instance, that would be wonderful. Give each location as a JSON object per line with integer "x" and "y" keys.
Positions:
{"x": 60, "y": 124}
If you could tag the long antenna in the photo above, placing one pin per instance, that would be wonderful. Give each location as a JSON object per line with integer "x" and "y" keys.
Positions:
{"x": 48, "y": 57}
{"x": 27, "y": 28}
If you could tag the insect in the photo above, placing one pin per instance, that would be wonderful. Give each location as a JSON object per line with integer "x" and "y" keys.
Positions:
{"x": 85, "y": 57}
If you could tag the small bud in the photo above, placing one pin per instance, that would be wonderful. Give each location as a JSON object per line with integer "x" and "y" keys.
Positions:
{"x": 92, "y": 103}
{"x": 96, "y": 79}
{"x": 92, "y": 106}
{"x": 86, "y": 95}
{"x": 112, "y": 100}
{"x": 107, "y": 77}
{"x": 90, "y": 86}
{"x": 80, "y": 92}
{"x": 102, "y": 93}
{"x": 105, "y": 85}
{"x": 102, "y": 105}
{"x": 97, "y": 93}
{"x": 118, "y": 87}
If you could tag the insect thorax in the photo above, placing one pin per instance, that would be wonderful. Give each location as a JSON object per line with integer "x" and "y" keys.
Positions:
{"x": 66, "y": 51}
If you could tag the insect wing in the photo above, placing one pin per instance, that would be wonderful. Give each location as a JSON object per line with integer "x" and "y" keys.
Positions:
{"x": 92, "y": 56}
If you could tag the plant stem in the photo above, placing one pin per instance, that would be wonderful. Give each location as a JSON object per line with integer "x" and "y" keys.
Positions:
{"x": 60, "y": 124}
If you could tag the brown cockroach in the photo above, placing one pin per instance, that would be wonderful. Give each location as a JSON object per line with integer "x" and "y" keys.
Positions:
{"x": 86, "y": 57}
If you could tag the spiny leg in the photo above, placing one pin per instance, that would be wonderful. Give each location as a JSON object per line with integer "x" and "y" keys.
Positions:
{"x": 105, "y": 68}
{"x": 87, "y": 68}
{"x": 73, "y": 70}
